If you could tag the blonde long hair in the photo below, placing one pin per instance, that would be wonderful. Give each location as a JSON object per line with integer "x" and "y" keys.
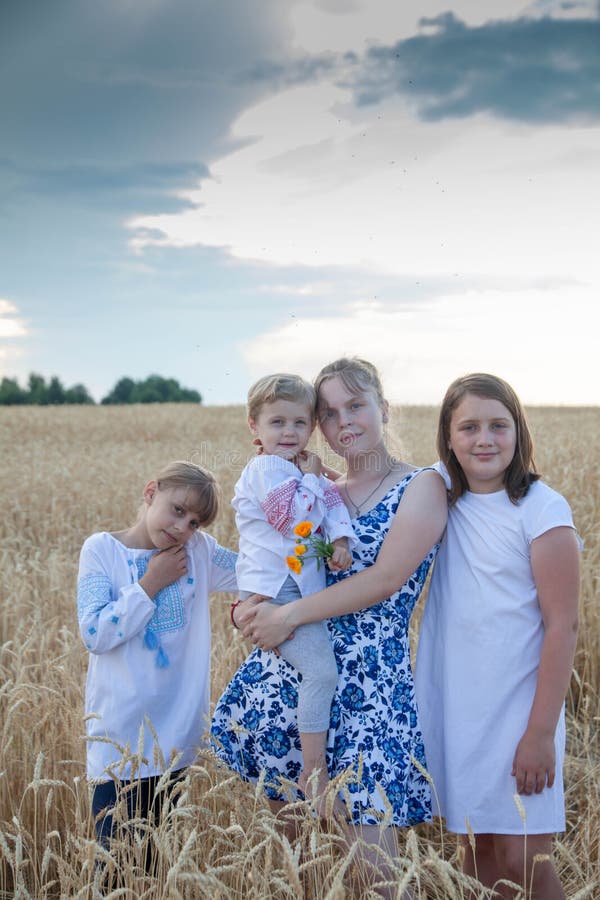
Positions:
{"x": 357, "y": 375}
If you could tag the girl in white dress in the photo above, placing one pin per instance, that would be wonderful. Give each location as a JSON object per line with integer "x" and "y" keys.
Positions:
{"x": 497, "y": 642}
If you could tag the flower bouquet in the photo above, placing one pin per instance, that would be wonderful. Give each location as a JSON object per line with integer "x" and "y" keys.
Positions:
{"x": 308, "y": 546}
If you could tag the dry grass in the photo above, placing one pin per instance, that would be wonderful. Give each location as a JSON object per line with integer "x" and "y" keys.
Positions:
{"x": 70, "y": 471}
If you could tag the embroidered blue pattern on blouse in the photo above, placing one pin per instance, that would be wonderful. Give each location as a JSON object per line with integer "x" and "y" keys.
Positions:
{"x": 225, "y": 559}
{"x": 93, "y": 593}
{"x": 170, "y": 613}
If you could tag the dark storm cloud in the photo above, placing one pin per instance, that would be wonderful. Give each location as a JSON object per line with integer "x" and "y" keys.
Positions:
{"x": 145, "y": 186}
{"x": 538, "y": 70}
{"x": 542, "y": 70}
{"x": 83, "y": 83}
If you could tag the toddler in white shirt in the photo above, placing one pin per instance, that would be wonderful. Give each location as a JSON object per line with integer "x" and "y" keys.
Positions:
{"x": 282, "y": 488}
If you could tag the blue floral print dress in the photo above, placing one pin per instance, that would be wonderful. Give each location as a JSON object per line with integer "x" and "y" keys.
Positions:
{"x": 374, "y": 733}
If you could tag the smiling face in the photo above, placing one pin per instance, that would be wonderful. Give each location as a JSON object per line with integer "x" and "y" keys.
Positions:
{"x": 283, "y": 427}
{"x": 483, "y": 439}
{"x": 351, "y": 421}
{"x": 171, "y": 516}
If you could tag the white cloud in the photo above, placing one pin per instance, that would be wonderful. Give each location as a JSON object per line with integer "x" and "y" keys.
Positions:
{"x": 542, "y": 341}
{"x": 307, "y": 289}
{"x": 11, "y": 325}
{"x": 320, "y": 183}
{"x": 324, "y": 184}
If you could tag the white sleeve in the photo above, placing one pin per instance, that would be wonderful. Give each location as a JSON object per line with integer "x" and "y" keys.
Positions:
{"x": 285, "y": 495}
{"x": 108, "y": 614}
{"x": 551, "y": 511}
{"x": 441, "y": 469}
{"x": 222, "y": 566}
{"x": 337, "y": 522}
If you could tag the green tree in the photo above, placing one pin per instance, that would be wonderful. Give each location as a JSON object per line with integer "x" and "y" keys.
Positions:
{"x": 78, "y": 394}
{"x": 55, "y": 394}
{"x": 121, "y": 393}
{"x": 39, "y": 393}
{"x": 153, "y": 389}
{"x": 11, "y": 393}
{"x": 38, "y": 390}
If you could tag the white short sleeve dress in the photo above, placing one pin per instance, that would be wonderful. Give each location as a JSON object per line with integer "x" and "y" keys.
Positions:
{"x": 477, "y": 662}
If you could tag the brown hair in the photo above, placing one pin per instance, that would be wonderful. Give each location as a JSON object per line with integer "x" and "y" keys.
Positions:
{"x": 200, "y": 481}
{"x": 280, "y": 386}
{"x": 521, "y": 472}
{"x": 357, "y": 375}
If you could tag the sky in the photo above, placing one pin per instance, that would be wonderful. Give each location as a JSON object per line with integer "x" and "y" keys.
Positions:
{"x": 212, "y": 190}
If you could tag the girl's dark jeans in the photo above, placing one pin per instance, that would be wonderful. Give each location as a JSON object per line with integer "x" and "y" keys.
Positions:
{"x": 142, "y": 803}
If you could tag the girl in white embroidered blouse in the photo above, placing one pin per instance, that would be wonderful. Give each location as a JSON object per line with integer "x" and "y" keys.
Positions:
{"x": 142, "y": 602}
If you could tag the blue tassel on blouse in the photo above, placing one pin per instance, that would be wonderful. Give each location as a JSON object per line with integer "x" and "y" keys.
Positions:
{"x": 150, "y": 639}
{"x": 162, "y": 660}
{"x": 152, "y": 643}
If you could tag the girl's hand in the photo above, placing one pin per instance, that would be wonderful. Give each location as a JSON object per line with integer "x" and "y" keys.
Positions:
{"x": 534, "y": 764}
{"x": 269, "y": 626}
{"x": 164, "y": 568}
{"x": 309, "y": 463}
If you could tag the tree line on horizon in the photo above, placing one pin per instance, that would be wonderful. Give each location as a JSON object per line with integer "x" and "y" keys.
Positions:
{"x": 153, "y": 389}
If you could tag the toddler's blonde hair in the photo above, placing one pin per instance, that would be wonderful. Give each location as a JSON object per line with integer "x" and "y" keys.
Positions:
{"x": 280, "y": 386}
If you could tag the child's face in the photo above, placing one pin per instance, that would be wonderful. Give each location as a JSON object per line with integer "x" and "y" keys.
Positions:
{"x": 483, "y": 438}
{"x": 283, "y": 428}
{"x": 169, "y": 520}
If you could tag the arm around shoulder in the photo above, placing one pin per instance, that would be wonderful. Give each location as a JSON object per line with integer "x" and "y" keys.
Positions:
{"x": 417, "y": 527}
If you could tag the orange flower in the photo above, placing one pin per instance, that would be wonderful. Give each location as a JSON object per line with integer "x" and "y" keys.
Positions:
{"x": 317, "y": 543}
{"x": 303, "y": 529}
{"x": 294, "y": 564}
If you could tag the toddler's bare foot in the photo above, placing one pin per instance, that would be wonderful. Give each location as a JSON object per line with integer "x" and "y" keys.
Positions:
{"x": 316, "y": 787}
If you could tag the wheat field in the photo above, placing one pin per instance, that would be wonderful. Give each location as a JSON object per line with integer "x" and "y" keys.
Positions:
{"x": 67, "y": 472}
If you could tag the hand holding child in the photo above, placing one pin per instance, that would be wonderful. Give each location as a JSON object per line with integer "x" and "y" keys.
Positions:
{"x": 164, "y": 568}
{"x": 267, "y": 625}
{"x": 534, "y": 762}
{"x": 242, "y": 612}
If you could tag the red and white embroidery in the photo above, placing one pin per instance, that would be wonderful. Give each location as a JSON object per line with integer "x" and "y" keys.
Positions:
{"x": 278, "y": 506}
{"x": 332, "y": 497}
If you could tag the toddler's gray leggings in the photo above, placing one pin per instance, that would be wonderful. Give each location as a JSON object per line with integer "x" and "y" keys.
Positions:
{"x": 310, "y": 651}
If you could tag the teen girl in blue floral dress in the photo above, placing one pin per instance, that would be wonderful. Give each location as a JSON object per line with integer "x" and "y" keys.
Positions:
{"x": 398, "y": 514}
